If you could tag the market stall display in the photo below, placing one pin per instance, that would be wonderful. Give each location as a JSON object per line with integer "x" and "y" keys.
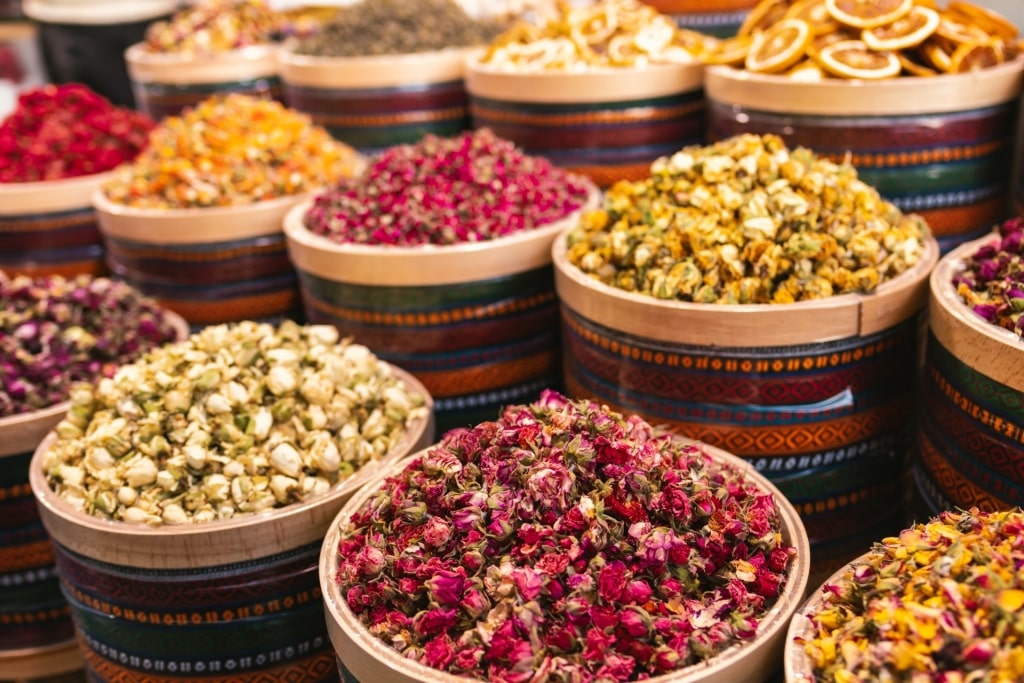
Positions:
{"x": 568, "y": 540}
{"x": 970, "y": 441}
{"x": 602, "y": 89}
{"x": 187, "y": 497}
{"x": 386, "y": 72}
{"x": 196, "y": 220}
{"x": 765, "y": 301}
{"x": 439, "y": 258}
{"x": 53, "y": 332}
{"x": 56, "y": 147}
{"x": 924, "y": 104}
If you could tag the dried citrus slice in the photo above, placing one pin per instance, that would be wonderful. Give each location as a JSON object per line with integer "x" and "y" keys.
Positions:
{"x": 930, "y": 4}
{"x": 779, "y": 47}
{"x": 819, "y": 42}
{"x": 814, "y": 13}
{"x": 731, "y": 51}
{"x": 854, "y": 59}
{"x": 976, "y": 56}
{"x": 936, "y": 54}
{"x": 909, "y": 30}
{"x": 959, "y": 32}
{"x": 867, "y": 13}
{"x": 985, "y": 19}
{"x": 914, "y": 67}
{"x": 763, "y": 15}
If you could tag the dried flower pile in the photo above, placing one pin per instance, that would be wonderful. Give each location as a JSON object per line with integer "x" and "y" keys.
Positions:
{"x": 56, "y": 332}
{"x": 940, "y": 602}
{"x": 470, "y": 188}
{"x": 565, "y": 543}
{"x": 231, "y": 150}
{"x": 992, "y": 282}
{"x": 746, "y": 220}
{"x": 66, "y": 131}
{"x": 239, "y": 419}
{"x": 608, "y": 33}
{"x": 396, "y": 27}
{"x": 215, "y": 26}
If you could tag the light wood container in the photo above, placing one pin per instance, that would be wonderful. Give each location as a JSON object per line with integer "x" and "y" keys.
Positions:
{"x": 235, "y": 598}
{"x": 210, "y": 265}
{"x": 364, "y": 658}
{"x": 971, "y": 436}
{"x": 36, "y": 632}
{"x": 605, "y": 123}
{"x": 164, "y": 84}
{"x": 379, "y": 101}
{"x": 477, "y": 323}
{"x": 817, "y": 395}
{"x": 49, "y": 227}
{"x": 941, "y": 147}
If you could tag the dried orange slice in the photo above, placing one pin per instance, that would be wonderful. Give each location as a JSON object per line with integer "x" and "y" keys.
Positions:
{"x": 958, "y": 32}
{"x": 976, "y": 56}
{"x": 914, "y": 67}
{"x": 820, "y": 41}
{"x": 763, "y": 15}
{"x": 779, "y": 47}
{"x": 930, "y": 4}
{"x": 814, "y": 13}
{"x": 988, "y": 20}
{"x": 936, "y": 54}
{"x": 867, "y": 13}
{"x": 731, "y": 51}
{"x": 913, "y": 28}
{"x": 854, "y": 59}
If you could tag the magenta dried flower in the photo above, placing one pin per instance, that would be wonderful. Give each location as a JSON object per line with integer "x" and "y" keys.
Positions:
{"x": 563, "y": 542}
{"x": 56, "y": 332}
{"x": 470, "y": 188}
{"x": 992, "y": 281}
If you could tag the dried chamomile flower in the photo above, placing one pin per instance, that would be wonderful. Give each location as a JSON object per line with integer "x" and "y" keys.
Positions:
{"x": 238, "y": 419}
{"x": 746, "y": 221}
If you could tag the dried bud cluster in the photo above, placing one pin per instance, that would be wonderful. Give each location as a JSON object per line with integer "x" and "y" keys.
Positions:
{"x": 746, "y": 221}
{"x": 992, "y": 282}
{"x": 238, "y": 419}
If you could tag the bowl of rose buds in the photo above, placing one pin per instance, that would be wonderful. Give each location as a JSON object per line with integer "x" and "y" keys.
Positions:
{"x": 969, "y": 442}
{"x": 438, "y": 256}
{"x": 563, "y": 541}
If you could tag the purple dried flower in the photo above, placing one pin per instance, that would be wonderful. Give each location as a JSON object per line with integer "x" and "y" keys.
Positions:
{"x": 992, "y": 282}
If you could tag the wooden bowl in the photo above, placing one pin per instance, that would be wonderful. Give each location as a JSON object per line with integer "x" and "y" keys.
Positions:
{"x": 164, "y": 84}
{"x": 237, "y": 596}
{"x": 604, "y": 123}
{"x": 364, "y": 658}
{"x": 376, "y": 102}
{"x": 211, "y": 265}
{"x": 940, "y": 146}
{"x": 971, "y": 436}
{"x": 476, "y": 323}
{"x": 37, "y": 637}
{"x": 49, "y": 227}
{"x": 817, "y": 395}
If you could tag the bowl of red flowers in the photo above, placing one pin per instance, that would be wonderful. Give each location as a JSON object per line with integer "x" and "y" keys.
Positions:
{"x": 56, "y": 147}
{"x": 563, "y": 541}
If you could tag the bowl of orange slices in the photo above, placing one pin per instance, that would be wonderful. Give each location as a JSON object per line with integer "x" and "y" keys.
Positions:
{"x": 921, "y": 99}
